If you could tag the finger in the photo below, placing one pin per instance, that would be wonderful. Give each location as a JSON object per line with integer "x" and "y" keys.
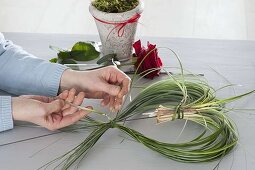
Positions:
{"x": 72, "y": 118}
{"x": 111, "y": 103}
{"x": 64, "y": 95}
{"x": 56, "y": 117}
{"x": 49, "y": 120}
{"x": 54, "y": 106}
{"x": 111, "y": 89}
{"x": 118, "y": 103}
{"x": 79, "y": 99}
{"x": 66, "y": 106}
{"x": 71, "y": 95}
{"x": 113, "y": 78}
{"x": 125, "y": 87}
{"x": 105, "y": 101}
{"x": 77, "y": 102}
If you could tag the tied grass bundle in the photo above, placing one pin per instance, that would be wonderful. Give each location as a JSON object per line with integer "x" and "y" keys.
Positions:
{"x": 171, "y": 99}
{"x": 115, "y": 6}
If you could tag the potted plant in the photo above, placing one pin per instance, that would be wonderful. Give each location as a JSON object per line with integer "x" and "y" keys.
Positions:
{"x": 116, "y": 22}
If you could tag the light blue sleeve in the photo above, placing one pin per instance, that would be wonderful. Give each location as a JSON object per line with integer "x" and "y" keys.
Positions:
{"x": 22, "y": 73}
{"x": 6, "y": 121}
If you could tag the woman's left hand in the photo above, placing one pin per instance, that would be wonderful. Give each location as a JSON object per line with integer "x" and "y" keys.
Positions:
{"x": 49, "y": 112}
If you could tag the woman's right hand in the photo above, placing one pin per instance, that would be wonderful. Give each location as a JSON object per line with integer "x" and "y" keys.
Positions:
{"x": 108, "y": 83}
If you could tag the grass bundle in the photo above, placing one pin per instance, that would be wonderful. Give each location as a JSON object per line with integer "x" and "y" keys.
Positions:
{"x": 171, "y": 99}
{"x": 198, "y": 104}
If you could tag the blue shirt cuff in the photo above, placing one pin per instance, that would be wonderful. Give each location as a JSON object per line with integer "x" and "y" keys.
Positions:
{"x": 52, "y": 78}
{"x": 6, "y": 121}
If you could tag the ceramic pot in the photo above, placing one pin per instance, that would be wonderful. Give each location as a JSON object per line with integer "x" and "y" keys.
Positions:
{"x": 117, "y": 30}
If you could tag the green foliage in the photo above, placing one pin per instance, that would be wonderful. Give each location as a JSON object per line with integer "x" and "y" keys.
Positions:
{"x": 115, "y": 6}
{"x": 81, "y": 51}
{"x": 54, "y": 60}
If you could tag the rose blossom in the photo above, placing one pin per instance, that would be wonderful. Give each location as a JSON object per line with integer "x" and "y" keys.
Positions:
{"x": 149, "y": 58}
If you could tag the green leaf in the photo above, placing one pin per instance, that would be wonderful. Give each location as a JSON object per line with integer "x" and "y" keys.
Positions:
{"x": 54, "y": 60}
{"x": 67, "y": 61}
{"x": 83, "y": 51}
{"x": 64, "y": 55}
{"x": 107, "y": 58}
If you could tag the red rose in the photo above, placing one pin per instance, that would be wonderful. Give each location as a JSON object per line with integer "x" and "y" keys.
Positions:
{"x": 152, "y": 60}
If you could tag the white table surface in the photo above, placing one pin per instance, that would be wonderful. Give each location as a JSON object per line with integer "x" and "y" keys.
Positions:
{"x": 233, "y": 60}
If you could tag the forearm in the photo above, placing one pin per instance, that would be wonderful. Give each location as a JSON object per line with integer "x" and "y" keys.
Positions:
{"x": 75, "y": 79}
{"x": 6, "y": 121}
{"x": 23, "y": 73}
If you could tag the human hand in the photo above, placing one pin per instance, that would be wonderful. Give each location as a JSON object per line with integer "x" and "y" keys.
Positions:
{"x": 49, "y": 112}
{"x": 108, "y": 83}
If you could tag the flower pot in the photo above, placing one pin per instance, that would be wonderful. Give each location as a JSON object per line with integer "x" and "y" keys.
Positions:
{"x": 117, "y": 30}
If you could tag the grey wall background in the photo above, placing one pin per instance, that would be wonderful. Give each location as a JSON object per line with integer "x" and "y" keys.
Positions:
{"x": 214, "y": 19}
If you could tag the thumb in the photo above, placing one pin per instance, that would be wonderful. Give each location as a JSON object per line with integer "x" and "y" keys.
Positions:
{"x": 54, "y": 106}
{"x": 72, "y": 118}
{"x": 111, "y": 89}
